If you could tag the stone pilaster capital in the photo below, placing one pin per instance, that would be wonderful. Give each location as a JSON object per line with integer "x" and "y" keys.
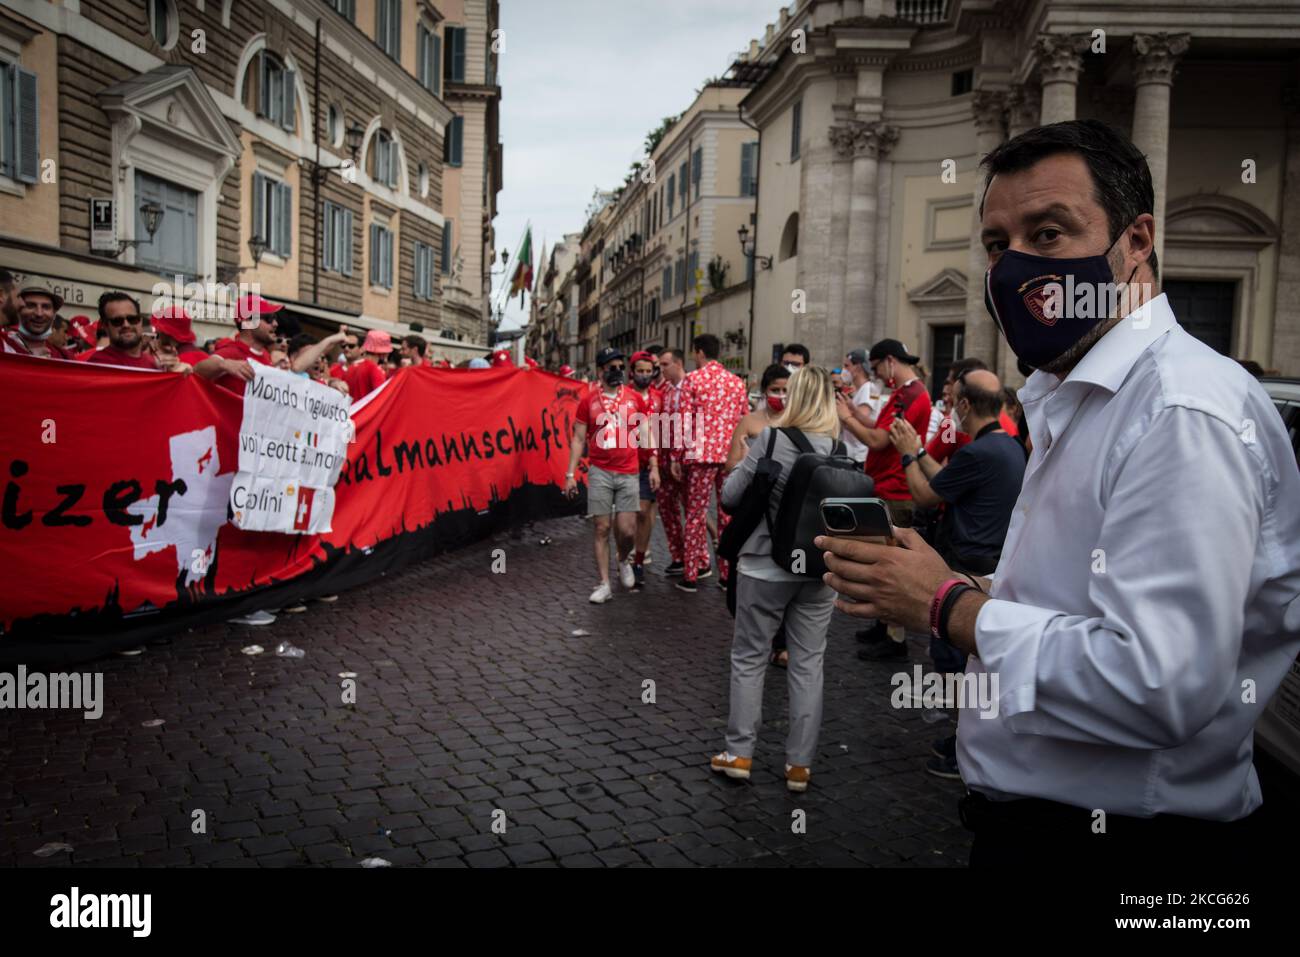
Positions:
{"x": 882, "y": 140}
{"x": 987, "y": 108}
{"x": 1060, "y": 56}
{"x": 842, "y": 140}
{"x": 1025, "y": 104}
{"x": 1157, "y": 55}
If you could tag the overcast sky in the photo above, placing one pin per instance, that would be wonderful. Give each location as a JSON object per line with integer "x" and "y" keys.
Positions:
{"x": 583, "y": 82}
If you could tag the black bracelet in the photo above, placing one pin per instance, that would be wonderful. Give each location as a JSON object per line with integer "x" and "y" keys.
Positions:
{"x": 949, "y": 601}
{"x": 974, "y": 582}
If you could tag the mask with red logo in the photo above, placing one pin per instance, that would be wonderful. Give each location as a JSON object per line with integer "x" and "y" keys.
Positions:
{"x": 1016, "y": 292}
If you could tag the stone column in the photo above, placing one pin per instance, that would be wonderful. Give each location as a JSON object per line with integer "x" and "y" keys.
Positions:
{"x": 816, "y": 202}
{"x": 1060, "y": 61}
{"x": 1024, "y": 107}
{"x": 982, "y": 338}
{"x": 860, "y": 278}
{"x": 1285, "y": 353}
{"x": 886, "y": 137}
{"x": 841, "y": 137}
{"x": 1156, "y": 56}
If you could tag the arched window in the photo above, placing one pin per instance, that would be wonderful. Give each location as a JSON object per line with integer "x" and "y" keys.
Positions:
{"x": 272, "y": 90}
{"x": 789, "y": 238}
{"x": 164, "y": 24}
{"x": 383, "y": 159}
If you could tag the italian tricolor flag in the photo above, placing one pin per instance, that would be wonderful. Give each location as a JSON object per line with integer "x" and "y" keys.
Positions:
{"x": 523, "y": 277}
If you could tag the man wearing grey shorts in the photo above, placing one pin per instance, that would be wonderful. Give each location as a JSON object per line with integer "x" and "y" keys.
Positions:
{"x": 610, "y": 414}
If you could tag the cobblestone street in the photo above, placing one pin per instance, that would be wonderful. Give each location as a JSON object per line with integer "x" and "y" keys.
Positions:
{"x": 476, "y": 692}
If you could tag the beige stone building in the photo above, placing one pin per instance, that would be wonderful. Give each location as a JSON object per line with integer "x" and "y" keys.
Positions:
{"x": 185, "y": 149}
{"x": 553, "y": 307}
{"x": 874, "y": 114}
{"x": 472, "y": 157}
{"x": 673, "y": 264}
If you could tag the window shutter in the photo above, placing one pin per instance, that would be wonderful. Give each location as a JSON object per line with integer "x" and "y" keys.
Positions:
{"x": 458, "y": 68}
{"x": 388, "y": 259}
{"x": 327, "y": 237}
{"x": 668, "y": 282}
{"x": 682, "y": 186}
{"x": 287, "y": 100}
{"x": 284, "y": 198}
{"x": 796, "y": 129}
{"x": 421, "y": 58}
{"x": 374, "y": 255}
{"x": 381, "y": 24}
{"x": 346, "y": 226}
{"x": 27, "y": 156}
{"x": 747, "y": 169}
{"x": 263, "y": 86}
{"x": 446, "y": 247}
{"x": 259, "y": 208}
{"x": 418, "y": 285}
{"x": 697, "y": 170}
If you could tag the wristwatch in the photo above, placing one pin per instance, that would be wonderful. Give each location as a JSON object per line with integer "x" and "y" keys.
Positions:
{"x": 909, "y": 459}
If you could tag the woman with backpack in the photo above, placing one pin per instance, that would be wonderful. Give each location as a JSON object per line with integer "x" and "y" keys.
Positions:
{"x": 767, "y": 594}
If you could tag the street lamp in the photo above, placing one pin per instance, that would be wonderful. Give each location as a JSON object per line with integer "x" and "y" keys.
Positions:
{"x": 257, "y": 246}
{"x": 747, "y": 249}
{"x": 353, "y": 136}
{"x": 153, "y": 214}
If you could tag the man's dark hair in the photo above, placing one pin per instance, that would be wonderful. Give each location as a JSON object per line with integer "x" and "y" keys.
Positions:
{"x": 59, "y": 323}
{"x": 6, "y": 277}
{"x": 675, "y": 354}
{"x": 708, "y": 344}
{"x": 1121, "y": 178}
{"x": 115, "y": 295}
{"x": 986, "y": 403}
{"x": 1253, "y": 367}
{"x": 772, "y": 373}
{"x": 960, "y": 366}
{"x": 299, "y": 342}
{"x": 655, "y": 349}
{"x": 417, "y": 343}
{"x": 796, "y": 349}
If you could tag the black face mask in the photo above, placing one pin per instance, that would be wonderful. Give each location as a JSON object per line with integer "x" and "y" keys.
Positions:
{"x": 614, "y": 376}
{"x": 641, "y": 381}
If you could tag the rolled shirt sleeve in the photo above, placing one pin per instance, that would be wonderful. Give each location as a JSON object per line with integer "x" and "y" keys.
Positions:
{"x": 1159, "y": 661}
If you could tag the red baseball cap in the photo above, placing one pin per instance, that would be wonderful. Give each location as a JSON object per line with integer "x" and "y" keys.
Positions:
{"x": 501, "y": 358}
{"x": 254, "y": 306}
{"x": 642, "y": 355}
{"x": 566, "y": 369}
{"x": 174, "y": 321}
{"x": 85, "y": 328}
{"x": 532, "y": 363}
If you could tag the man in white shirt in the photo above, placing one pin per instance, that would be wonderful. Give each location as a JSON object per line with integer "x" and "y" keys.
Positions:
{"x": 1147, "y": 604}
{"x": 859, "y": 376}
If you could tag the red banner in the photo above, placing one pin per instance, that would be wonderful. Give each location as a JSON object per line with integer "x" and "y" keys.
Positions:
{"x": 117, "y": 484}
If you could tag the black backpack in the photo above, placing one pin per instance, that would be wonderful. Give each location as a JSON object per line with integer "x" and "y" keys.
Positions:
{"x": 798, "y": 517}
{"x": 744, "y": 518}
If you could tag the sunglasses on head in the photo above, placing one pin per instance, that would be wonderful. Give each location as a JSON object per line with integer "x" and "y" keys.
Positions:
{"x": 116, "y": 321}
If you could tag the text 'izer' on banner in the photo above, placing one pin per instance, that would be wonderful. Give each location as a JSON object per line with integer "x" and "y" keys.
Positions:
{"x": 292, "y": 444}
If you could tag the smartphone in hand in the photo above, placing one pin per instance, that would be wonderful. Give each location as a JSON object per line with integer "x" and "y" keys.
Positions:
{"x": 864, "y": 519}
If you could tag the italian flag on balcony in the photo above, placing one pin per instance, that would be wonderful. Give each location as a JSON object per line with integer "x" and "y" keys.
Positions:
{"x": 523, "y": 277}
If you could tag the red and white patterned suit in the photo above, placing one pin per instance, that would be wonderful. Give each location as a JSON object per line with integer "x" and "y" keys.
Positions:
{"x": 713, "y": 400}
{"x": 672, "y": 493}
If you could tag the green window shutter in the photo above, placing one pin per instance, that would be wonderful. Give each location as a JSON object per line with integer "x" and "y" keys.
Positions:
{"x": 288, "y": 103}
{"x": 796, "y": 128}
{"x": 697, "y": 170}
{"x": 346, "y": 229}
{"x": 747, "y": 155}
{"x": 284, "y": 202}
{"x": 259, "y": 208}
{"x": 446, "y": 247}
{"x": 27, "y": 147}
{"x": 327, "y": 236}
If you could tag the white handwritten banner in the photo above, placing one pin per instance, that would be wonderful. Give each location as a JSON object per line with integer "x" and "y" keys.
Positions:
{"x": 292, "y": 445}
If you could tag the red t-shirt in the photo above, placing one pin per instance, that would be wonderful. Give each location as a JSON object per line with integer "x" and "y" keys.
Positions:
{"x": 941, "y": 450}
{"x": 363, "y": 378}
{"x": 192, "y": 357}
{"x": 338, "y": 371}
{"x": 237, "y": 350}
{"x": 650, "y": 405}
{"x": 608, "y": 422}
{"x": 912, "y": 402}
{"x": 13, "y": 342}
{"x": 113, "y": 356}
